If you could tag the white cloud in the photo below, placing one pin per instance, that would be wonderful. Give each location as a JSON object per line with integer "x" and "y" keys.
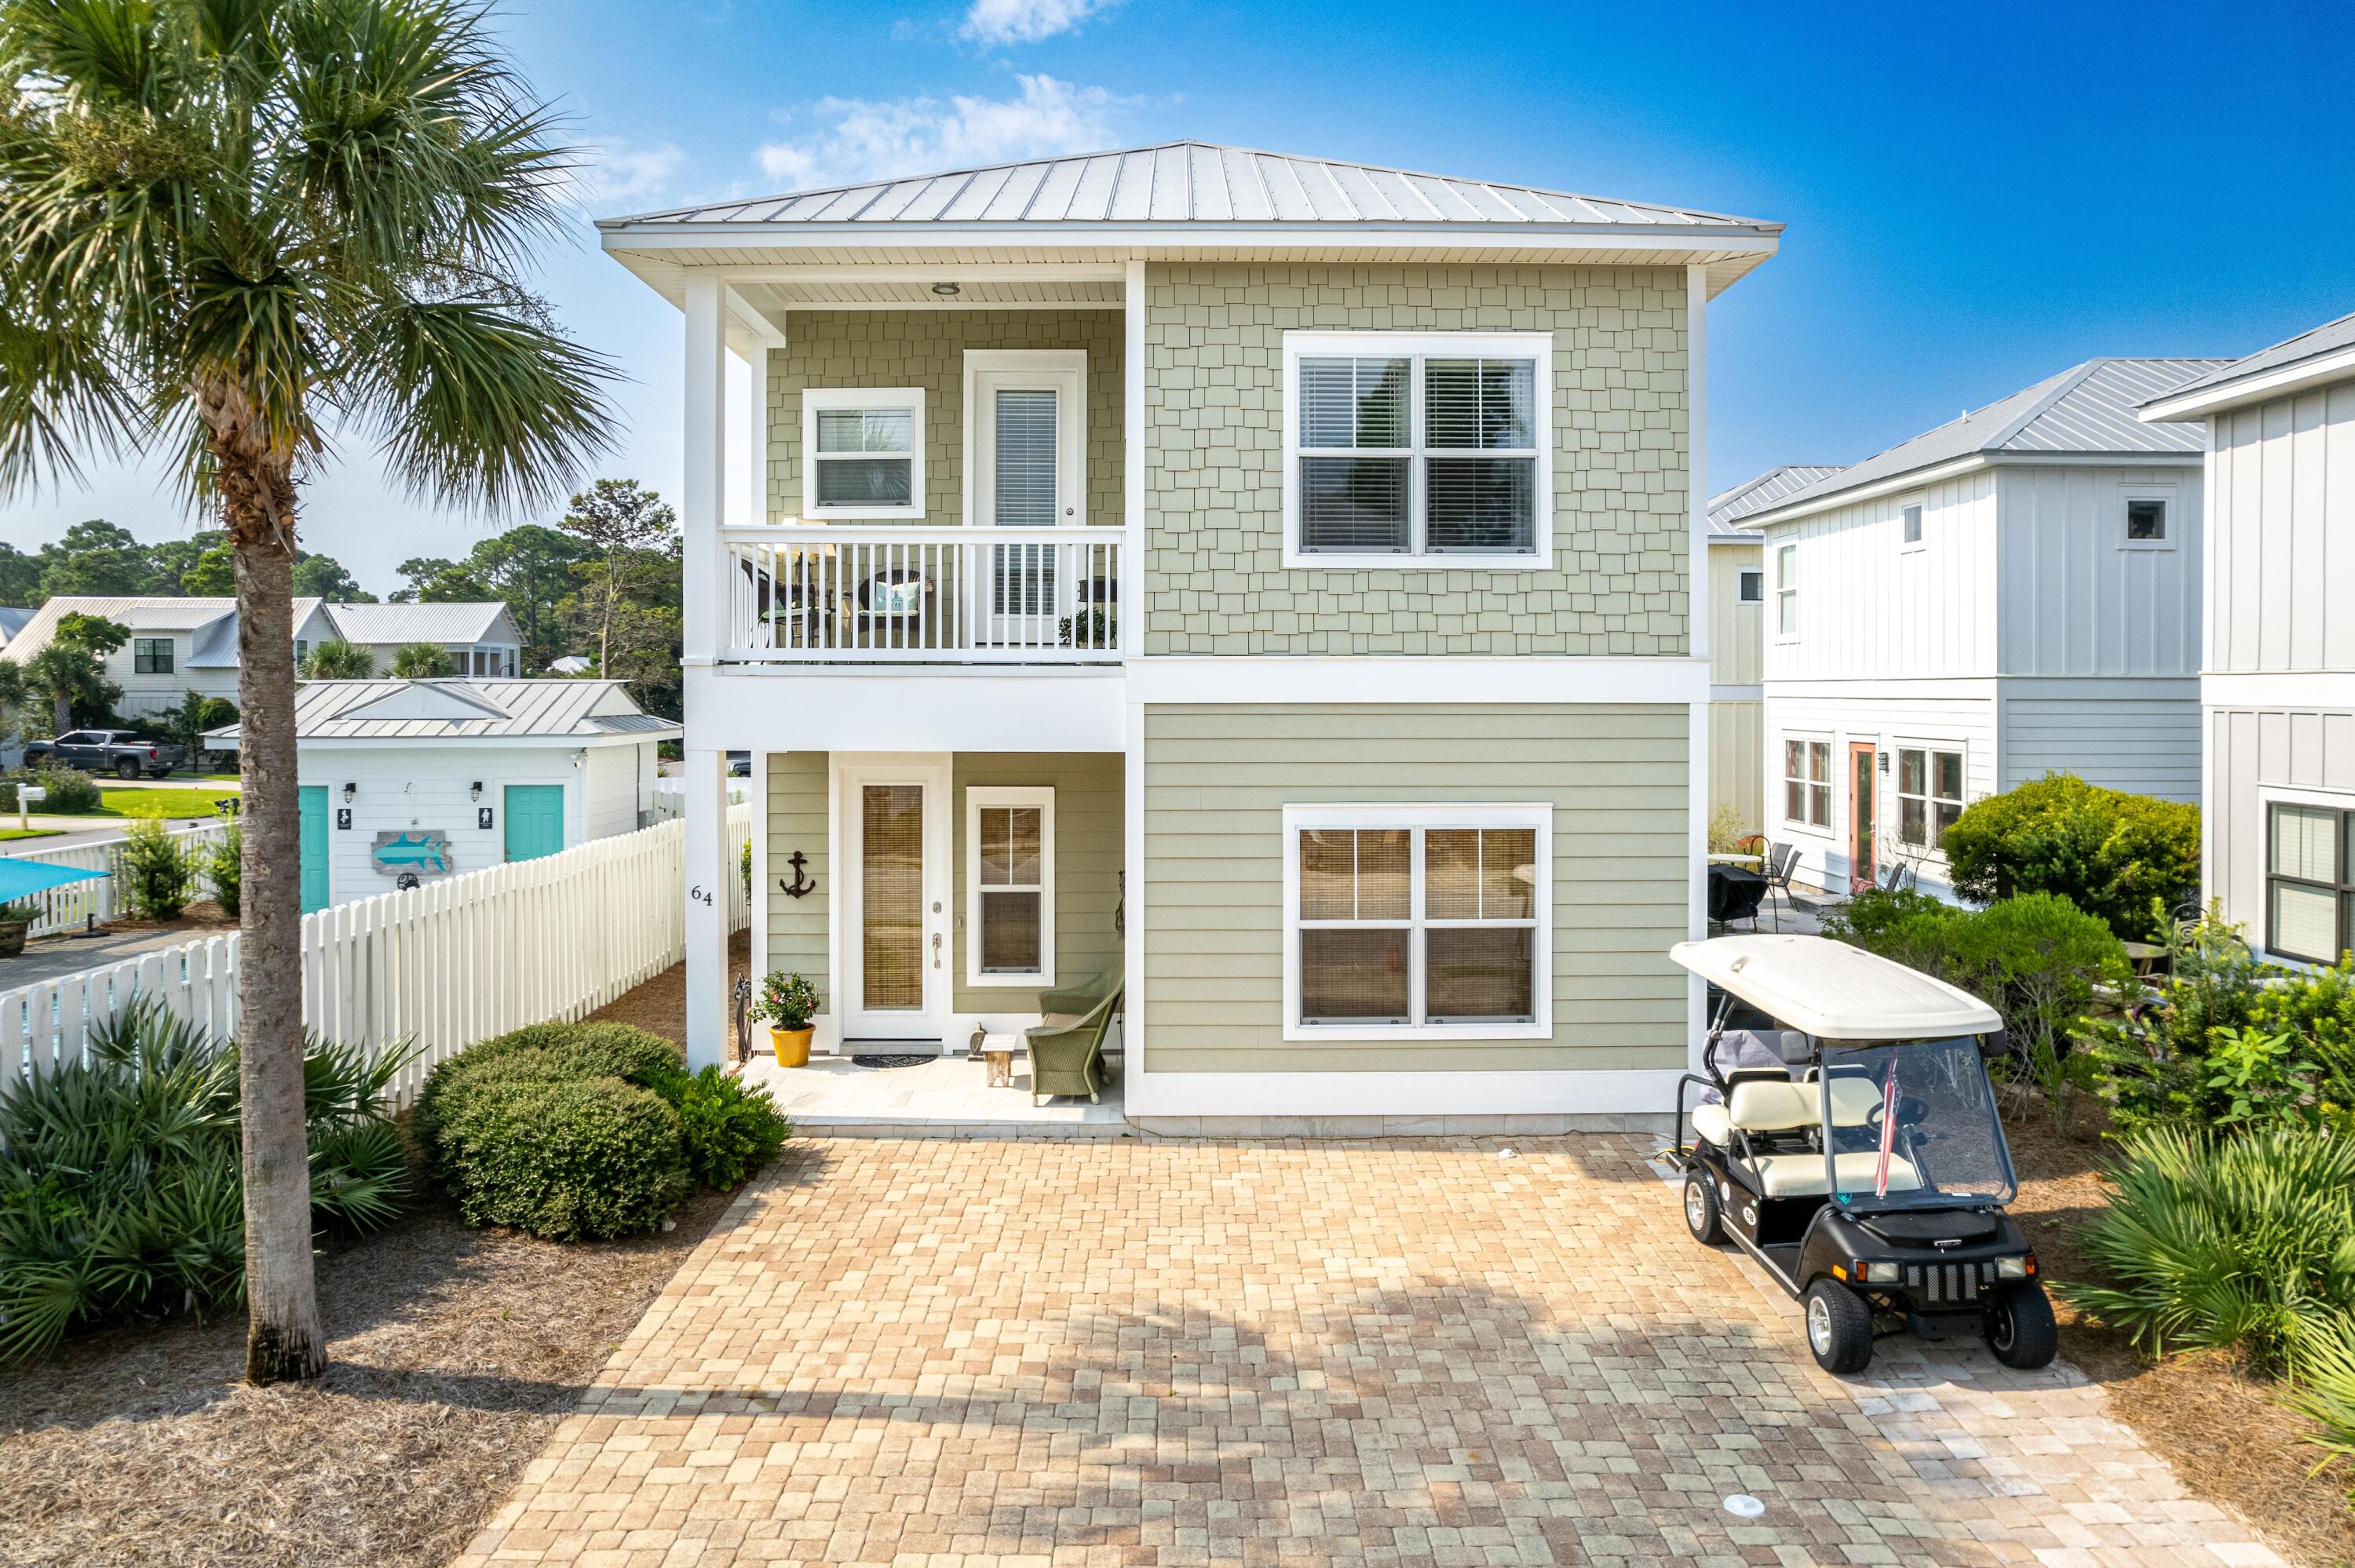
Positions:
{"x": 865, "y": 140}
{"x": 613, "y": 173}
{"x": 1028, "y": 21}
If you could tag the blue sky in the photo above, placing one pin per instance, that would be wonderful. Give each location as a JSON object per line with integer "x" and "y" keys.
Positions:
{"x": 1977, "y": 197}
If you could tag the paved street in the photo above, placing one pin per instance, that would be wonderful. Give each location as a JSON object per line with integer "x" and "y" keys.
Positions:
{"x": 1148, "y": 1351}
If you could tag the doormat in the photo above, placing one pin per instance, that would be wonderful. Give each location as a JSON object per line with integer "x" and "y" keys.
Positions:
{"x": 894, "y": 1061}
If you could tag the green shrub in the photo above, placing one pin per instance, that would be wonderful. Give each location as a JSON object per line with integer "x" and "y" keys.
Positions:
{"x": 2328, "y": 1393}
{"x": 157, "y": 874}
{"x": 120, "y": 1191}
{"x": 2243, "y": 1243}
{"x": 71, "y": 793}
{"x": 224, "y": 868}
{"x": 566, "y": 1159}
{"x": 2109, "y": 853}
{"x": 727, "y": 1130}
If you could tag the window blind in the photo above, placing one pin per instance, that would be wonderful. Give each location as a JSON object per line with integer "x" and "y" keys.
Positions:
{"x": 891, "y": 895}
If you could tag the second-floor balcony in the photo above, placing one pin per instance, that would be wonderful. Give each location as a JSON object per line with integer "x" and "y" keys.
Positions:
{"x": 896, "y": 593}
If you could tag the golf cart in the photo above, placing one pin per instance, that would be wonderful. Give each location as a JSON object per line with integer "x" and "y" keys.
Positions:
{"x": 1848, "y": 1139}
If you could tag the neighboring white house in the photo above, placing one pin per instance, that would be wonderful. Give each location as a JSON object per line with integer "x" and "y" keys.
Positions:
{"x": 2277, "y": 687}
{"x": 1737, "y": 639}
{"x": 429, "y": 777}
{"x": 2012, "y": 593}
{"x": 180, "y": 645}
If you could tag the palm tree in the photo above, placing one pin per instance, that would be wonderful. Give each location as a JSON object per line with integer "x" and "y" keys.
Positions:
{"x": 67, "y": 674}
{"x": 225, "y": 226}
{"x": 336, "y": 659}
{"x": 420, "y": 661}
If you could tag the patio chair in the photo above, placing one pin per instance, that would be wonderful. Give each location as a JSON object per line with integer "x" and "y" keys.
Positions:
{"x": 1780, "y": 861}
{"x": 1068, "y": 1059}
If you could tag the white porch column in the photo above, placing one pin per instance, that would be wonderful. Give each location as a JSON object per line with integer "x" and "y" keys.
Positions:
{"x": 703, "y": 614}
{"x": 1697, "y": 759}
{"x": 1132, "y": 462}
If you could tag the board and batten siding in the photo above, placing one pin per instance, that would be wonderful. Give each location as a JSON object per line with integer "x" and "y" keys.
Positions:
{"x": 2281, "y": 563}
{"x": 1090, "y": 843}
{"x": 1737, "y": 760}
{"x": 1214, "y": 578}
{"x": 1870, "y": 607}
{"x": 2138, "y": 735}
{"x": 797, "y": 787}
{"x": 2250, "y": 754}
{"x": 1737, "y": 631}
{"x": 1217, "y": 780}
{"x": 2076, "y": 598}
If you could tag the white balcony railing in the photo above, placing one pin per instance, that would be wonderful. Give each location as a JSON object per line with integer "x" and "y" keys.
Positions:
{"x": 859, "y": 593}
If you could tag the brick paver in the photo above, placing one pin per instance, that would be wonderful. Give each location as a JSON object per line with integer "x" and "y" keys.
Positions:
{"x": 1143, "y": 1351}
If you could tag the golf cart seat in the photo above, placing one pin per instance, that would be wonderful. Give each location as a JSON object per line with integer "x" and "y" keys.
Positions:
{"x": 1802, "y": 1175}
{"x": 1764, "y": 1107}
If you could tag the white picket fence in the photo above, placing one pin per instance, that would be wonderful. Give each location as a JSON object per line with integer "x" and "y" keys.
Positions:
{"x": 438, "y": 966}
{"x": 76, "y": 903}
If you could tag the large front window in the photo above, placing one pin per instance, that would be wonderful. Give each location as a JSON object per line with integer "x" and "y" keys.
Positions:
{"x": 1418, "y": 920}
{"x": 862, "y": 452}
{"x": 1929, "y": 794}
{"x": 1807, "y": 783}
{"x": 2309, "y": 888}
{"x": 1406, "y": 446}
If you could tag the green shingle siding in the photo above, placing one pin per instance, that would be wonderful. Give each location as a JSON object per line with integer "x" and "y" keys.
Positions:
{"x": 797, "y": 785}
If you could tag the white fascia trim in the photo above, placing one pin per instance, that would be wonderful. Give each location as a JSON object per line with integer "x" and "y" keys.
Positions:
{"x": 1455, "y": 681}
{"x": 1567, "y": 1092}
{"x": 2304, "y": 374}
{"x": 1915, "y": 479}
{"x": 817, "y": 398}
{"x": 1042, "y": 796}
{"x": 1701, "y": 245}
{"x": 520, "y": 742}
{"x": 1881, "y": 690}
{"x": 2304, "y": 690}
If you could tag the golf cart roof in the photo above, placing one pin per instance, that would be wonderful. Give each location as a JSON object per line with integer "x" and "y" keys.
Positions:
{"x": 1834, "y": 991}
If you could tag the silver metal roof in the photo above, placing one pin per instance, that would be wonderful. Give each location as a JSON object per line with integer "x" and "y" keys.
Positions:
{"x": 377, "y": 625}
{"x": 214, "y": 647}
{"x": 2087, "y": 409}
{"x": 12, "y": 622}
{"x": 467, "y": 710}
{"x": 2330, "y": 337}
{"x": 1727, "y": 507}
{"x": 1191, "y": 182}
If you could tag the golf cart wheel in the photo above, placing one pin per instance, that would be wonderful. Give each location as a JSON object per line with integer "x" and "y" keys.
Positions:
{"x": 127, "y": 768}
{"x": 1839, "y": 1327}
{"x": 1701, "y": 1209}
{"x": 2019, "y": 1329}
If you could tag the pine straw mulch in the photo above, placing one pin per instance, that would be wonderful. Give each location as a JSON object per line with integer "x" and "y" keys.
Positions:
{"x": 2230, "y": 1439}
{"x": 203, "y": 918}
{"x": 455, "y": 1355}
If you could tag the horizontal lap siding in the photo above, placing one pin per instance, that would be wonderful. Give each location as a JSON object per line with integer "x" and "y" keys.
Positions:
{"x": 1217, "y": 781}
{"x": 2147, "y": 745}
{"x": 1090, "y": 797}
{"x": 798, "y": 783}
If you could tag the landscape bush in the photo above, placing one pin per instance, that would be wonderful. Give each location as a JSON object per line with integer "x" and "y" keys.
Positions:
{"x": 71, "y": 793}
{"x": 158, "y": 873}
{"x": 224, "y": 868}
{"x": 576, "y": 1131}
{"x": 121, "y": 1187}
{"x": 2236, "y": 1241}
{"x": 2112, "y": 854}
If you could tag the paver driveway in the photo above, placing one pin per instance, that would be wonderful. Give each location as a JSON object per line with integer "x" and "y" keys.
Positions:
{"x": 1143, "y": 1351}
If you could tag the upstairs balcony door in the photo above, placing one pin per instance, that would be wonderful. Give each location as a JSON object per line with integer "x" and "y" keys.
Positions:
{"x": 1026, "y": 462}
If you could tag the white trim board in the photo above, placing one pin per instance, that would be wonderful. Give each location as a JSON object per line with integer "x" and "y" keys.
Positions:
{"x": 1674, "y": 678}
{"x": 1612, "y": 1091}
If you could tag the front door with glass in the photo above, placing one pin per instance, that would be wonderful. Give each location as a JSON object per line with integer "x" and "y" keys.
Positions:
{"x": 894, "y": 930}
{"x": 1863, "y": 866}
{"x": 1028, "y": 458}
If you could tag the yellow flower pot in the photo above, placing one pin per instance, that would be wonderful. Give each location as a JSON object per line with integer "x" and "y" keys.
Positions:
{"x": 792, "y": 1046}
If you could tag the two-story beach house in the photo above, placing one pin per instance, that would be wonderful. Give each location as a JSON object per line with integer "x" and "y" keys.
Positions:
{"x": 2014, "y": 593}
{"x": 1737, "y": 640}
{"x": 1270, "y": 584}
{"x": 2277, "y": 688}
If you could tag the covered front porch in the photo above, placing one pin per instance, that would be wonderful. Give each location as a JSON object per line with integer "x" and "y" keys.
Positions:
{"x": 841, "y": 1096}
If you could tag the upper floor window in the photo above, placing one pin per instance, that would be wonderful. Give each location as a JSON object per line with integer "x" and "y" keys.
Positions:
{"x": 1911, "y": 522}
{"x": 1401, "y": 447}
{"x": 1752, "y": 586}
{"x": 1929, "y": 794}
{"x": 2309, "y": 888}
{"x": 863, "y": 451}
{"x": 151, "y": 655}
{"x": 1786, "y": 591}
{"x": 2146, "y": 520}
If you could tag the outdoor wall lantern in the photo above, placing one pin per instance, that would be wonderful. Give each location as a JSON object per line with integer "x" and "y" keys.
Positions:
{"x": 474, "y": 791}
{"x": 350, "y": 792}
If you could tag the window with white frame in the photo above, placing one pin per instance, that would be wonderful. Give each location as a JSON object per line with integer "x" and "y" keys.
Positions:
{"x": 1404, "y": 447}
{"x": 1009, "y": 886}
{"x": 1422, "y": 921}
{"x": 1786, "y": 591}
{"x": 1929, "y": 794}
{"x": 2146, "y": 520}
{"x": 1910, "y": 522}
{"x": 1807, "y": 782}
{"x": 2309, "y": 886}
{"x": 863, "y": 451}
{"x": 1751, "y": 588}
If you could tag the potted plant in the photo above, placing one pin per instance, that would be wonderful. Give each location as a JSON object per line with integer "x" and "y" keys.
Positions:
{"x": 788, "y": 1002}
{"x": 15, "y": 919}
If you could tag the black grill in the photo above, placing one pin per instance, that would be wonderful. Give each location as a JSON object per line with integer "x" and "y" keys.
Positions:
{"x": 1949, "y": 1282}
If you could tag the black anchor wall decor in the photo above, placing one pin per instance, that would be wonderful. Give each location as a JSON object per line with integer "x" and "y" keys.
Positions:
{"x": 800, "y": 886}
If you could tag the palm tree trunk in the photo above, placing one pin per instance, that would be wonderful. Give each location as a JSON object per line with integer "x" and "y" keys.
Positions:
{"x": 61, "y": 714}
{"x": 284, "y": 1335}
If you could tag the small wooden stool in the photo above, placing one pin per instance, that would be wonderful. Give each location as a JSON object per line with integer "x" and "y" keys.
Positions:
{"x": 997, "y": 1050}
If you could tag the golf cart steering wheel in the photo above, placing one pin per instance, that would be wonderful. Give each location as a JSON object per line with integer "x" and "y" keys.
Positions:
{"x": 1912, "y": 1111}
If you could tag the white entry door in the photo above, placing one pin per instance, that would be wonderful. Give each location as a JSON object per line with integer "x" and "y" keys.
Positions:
{"x": 1027, "y": 458}
{"x": 894, "y": 933}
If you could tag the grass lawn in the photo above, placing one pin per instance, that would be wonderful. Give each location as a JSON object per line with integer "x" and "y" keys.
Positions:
{"x": 156, "y": 802}
{"x": 6, "y": 834}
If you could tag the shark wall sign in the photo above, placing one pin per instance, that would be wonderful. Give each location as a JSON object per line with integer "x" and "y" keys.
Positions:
{"x": 421, "y": 851}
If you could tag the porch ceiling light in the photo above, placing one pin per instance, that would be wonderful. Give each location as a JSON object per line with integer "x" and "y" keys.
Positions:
{"x": 946, "y": 291}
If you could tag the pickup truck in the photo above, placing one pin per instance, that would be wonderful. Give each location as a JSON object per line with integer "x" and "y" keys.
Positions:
{"x": 125, "y": 753}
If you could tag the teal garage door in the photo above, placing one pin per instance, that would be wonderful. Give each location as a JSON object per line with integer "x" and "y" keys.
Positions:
{"x": 534, "y": 820}
{"x": 314, "y": 847}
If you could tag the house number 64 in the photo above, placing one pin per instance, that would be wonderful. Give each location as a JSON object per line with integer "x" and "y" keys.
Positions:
{"x": 697, "y": 895}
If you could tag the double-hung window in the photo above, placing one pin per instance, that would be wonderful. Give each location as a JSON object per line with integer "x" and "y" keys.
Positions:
{"x": 1807, "y": 782}
{"x": 1009, "y": 886}
{"x": 151, "y": 655}
{"x": 1418, "y": 921}
{"x": 863, "y": 451}
{"x": 1786, "y": 591}
{"x": 1929, "y": 794}
{"x": 2310, "y": 887}
{"x": 1418, "y": 449}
